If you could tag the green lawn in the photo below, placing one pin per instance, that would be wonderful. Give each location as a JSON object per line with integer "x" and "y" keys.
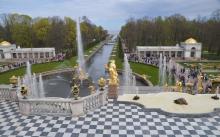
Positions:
{"x": 204, "y": 65}
{"x": 148, "y": 70}
{"x": 210, "y": 55}
{"x": 38, "y": 68}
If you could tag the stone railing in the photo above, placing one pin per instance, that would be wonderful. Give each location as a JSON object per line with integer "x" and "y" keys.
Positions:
{"x": 47, "y": 106}
{"x": 8, "y": 93}
{"x": 62, "y": 106}
{"x": 94, "y": 101}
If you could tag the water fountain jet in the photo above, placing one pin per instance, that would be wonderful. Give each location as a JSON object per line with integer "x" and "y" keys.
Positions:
{"x": 81, "y": 59}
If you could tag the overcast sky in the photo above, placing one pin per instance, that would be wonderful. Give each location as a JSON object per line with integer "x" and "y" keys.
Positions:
{"x": 111, "y": 14}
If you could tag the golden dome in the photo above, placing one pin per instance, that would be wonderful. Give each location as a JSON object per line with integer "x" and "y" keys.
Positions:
{"x": 190, "y": 41}
{"x": 5, "y": 43}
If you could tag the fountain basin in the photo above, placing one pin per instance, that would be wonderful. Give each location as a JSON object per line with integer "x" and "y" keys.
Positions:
{"x": 58, "y": 84}
{"x": 197, "y": 104}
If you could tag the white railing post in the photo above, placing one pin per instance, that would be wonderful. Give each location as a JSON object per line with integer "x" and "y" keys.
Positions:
{"x": 103, "y": 97}
{"x": 24, "y": 107}
{"x": 13, "y": 94}
{"x": 76, "y": 107}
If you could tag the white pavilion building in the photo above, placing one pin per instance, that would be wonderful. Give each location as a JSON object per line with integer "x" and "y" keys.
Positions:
{"x": 10, "y": 51}
{"x": 190, "y": 49}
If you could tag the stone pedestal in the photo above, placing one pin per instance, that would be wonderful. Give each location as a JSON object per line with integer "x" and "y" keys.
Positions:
{"x": 77, "y": 107}
{"x": 113, "y": 91}
{"x": 103, "y": 98}
{"x": 24, "y": 108}
{"x": 13, "y": 94}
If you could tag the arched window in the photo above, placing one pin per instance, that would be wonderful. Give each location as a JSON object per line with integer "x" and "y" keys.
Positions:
{"x": 193, "y": 52}
{"x": 2, "y": 54}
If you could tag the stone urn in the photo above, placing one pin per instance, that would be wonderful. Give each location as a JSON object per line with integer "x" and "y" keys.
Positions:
{"x": 92, "y": 89}
{"x": 101, "y": 83}
{"x": 75, "y": 91}
{"x": 13, "y": 80}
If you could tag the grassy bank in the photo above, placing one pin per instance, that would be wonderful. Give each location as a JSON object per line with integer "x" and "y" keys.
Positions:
{"x": 38, "y": 68}
{"x": 210, "y": 55}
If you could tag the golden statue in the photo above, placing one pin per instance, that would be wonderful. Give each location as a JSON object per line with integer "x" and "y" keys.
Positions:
{"x": 24, "y": 91}
{"x": 101, "y": 83}
{"x": 189, "y": 86}
{"x": 92, "y": 89}
{"x": 75, "y": 91}
{"x": 200, "y": 86}
{"x": 113, "y": 73}
{"x": 80, "y": 72}
{"x": 179, "y": 86}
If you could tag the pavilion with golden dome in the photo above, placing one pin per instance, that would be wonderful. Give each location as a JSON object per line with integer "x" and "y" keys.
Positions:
{"x": 189, "y": 49}
{"x": 11, "y": 52}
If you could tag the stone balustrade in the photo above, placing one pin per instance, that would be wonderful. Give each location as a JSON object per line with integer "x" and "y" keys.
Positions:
{"x": 94, "y": 101}
{"x": 8, "y": 93}
{"x": 47, "y": 106}
{"x": 62, "y": 106}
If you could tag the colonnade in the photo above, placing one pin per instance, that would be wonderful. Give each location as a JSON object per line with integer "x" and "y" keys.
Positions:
{"x": 36, "y": 55}
{"x": 175, "y": 54}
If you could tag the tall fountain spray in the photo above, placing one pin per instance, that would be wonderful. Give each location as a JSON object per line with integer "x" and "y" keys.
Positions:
{"x": 81, "y": 59}
{"x": 164, "y": 70}
{"x": 35, "y": 88}
{"x": 27, "y": 79}
{"x": 160, "y": 69}
{"x": 127, "y": 74}
{"x": 170, "y": 72}
{"x": 19, "y": 85}
{"x": 134, "y": 85}
{"x": 41, "y": 87}
{"x": 129, "y": 79}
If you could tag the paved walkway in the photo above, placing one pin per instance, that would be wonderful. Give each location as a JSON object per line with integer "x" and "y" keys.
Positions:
{"x": 110, "y": 120}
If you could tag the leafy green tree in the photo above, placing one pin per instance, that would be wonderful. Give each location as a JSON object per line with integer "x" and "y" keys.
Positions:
{"x": 41, "y": 29}
{"x": 48, "y": 32}
{"x": 120, "y": 49}
{"x": 172, "y": 30}
{"x": 70, "y": 36}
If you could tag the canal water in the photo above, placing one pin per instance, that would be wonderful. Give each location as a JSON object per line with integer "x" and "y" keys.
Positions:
{"x": 58, "y": 85}
{"x": 96, "y": 64}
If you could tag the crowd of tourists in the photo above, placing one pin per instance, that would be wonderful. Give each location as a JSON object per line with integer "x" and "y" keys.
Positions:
{"x": 193, "y": 75}
{"x": 152, "y": 60}
{"x": 14, "y": 65}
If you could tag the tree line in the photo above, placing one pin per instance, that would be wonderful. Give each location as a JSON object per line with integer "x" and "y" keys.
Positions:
{"x": 26, "y": 31}
{"x": 172, "y": 30}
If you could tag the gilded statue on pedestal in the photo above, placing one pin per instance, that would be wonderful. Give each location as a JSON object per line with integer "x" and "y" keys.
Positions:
{"x": 200, "y": 86}
{"x": 113, "y": 74}
{"x": 179, "y": 86}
